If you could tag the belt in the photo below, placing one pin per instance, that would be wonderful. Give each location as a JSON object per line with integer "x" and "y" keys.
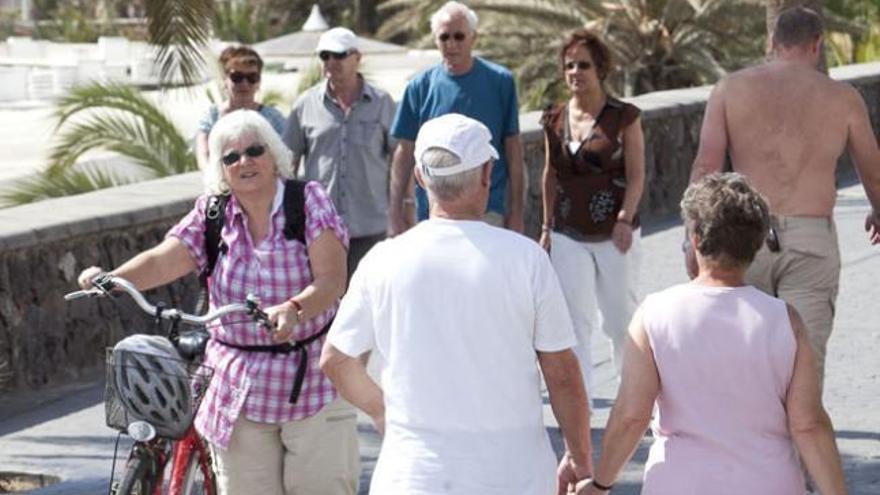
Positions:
{"x": 299, "y": 346}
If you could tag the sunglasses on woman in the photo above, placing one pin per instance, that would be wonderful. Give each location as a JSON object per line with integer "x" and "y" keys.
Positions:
{"x": 251, "y": 77}
{"x": 326, "y": 55}
{"x": 253, "y": 151}
{"x": 457, "y": 36}
{"x": 578, "y": 65}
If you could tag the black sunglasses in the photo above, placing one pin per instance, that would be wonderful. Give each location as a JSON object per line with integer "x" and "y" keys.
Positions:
{"x": 457, "y": 36}
{"x": 325, "y": 55}
{"x": 578, "y": 65}
{"x": 253, "y": 151}
{"x": 237, "y": 77}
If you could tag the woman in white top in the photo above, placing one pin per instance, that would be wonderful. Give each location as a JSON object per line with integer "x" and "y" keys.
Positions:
{"x": 730, "y": 368}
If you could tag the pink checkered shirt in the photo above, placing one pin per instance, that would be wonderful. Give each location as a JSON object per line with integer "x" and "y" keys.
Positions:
{"x": 259, "y": 383}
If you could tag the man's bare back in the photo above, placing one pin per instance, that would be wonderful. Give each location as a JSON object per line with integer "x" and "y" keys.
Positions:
{"x": 786, "y": 125}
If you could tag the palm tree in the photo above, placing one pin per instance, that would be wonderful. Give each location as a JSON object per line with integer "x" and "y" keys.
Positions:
{"x": 180, "y": 29}
{"x": 109, "y": 117}
{"x": 657, "y": 44}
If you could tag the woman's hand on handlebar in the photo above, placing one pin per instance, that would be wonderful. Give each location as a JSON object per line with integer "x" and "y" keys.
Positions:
{"x": 87, "y": 277}
{"x": 284, "y": 317}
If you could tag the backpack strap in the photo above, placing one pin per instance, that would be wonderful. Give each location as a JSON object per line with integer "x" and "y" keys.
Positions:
{"x": 295, "y": 210}
{"x": 215, "y": 215}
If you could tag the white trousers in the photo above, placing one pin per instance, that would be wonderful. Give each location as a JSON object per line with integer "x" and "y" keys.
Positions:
{"x": 597, "y": 279}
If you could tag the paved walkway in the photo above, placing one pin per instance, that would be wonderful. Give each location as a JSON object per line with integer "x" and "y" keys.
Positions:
{"x": 61, "y": 432}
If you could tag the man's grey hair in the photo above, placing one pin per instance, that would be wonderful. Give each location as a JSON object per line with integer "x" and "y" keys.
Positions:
{"x": 235, "y": 125}
{"x": 453, "y": 9}
{"x": 447, "y": 187}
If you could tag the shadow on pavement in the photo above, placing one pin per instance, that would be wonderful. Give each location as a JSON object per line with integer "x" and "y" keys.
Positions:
{"x": 25, "y": 409}
{"x": 862, "y": 474}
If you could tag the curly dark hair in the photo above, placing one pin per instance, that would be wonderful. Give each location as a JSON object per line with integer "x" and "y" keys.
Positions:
{"x": 241, "y": 54}
{"x": 599, "y": 51}
{"x": 729, "y": 218}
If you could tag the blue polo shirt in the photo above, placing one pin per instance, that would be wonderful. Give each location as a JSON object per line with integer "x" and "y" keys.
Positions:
{"x": 486, "y": 93}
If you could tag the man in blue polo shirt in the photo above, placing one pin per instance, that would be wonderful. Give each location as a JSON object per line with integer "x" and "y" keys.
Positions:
{"x": 471, "y": 86}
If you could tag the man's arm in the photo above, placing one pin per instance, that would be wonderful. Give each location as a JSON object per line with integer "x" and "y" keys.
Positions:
{"x": 562, "y": 373}
{"x": 349, "y": 376}
{"x": 865, "y": 154}
{"x": 295, "y": 137}
{"x": 713, "y": 136}
{"x": 401, "y": 173}
{"x": 513, "y": 150}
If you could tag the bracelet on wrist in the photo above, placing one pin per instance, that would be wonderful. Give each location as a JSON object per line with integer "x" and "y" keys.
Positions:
{"x": 600, "y": 486}
{"x": 625, "y": 221}
{"x": 546, "y": 228}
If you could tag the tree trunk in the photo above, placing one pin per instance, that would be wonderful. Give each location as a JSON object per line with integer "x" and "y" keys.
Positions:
{"x": 367, "y": 21}
{"x": 774, "y": 7}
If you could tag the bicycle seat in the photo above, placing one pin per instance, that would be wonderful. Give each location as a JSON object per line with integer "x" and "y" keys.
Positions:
{"x": 192, "y": 344}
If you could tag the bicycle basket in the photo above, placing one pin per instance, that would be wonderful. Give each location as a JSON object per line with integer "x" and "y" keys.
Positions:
{"x": 163, "y": 391}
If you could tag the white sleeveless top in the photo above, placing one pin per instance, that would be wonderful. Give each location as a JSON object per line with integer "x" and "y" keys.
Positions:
{"x": 725, "y": 357}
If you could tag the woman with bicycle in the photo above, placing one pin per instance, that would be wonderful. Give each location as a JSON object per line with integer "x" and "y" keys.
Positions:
{"x": 272, "y": 430}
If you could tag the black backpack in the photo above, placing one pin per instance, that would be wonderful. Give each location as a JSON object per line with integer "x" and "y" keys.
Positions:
{"x": 215, "y": 214}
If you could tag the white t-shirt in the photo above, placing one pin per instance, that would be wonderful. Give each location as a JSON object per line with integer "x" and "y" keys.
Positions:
{"x": 455, "y": 311}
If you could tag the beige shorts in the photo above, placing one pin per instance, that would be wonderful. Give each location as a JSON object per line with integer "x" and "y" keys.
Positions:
{"x": 805, "y": 273}
{"x": 314, "y": 456}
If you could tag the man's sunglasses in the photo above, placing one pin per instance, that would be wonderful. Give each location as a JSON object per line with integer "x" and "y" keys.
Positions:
{"x": 457, "y": 36}
{"x": 238, "y": 77}
{"x": 578, "y": 65}
{"x": 326, "y": 55}
{"x": 253, "y": 151}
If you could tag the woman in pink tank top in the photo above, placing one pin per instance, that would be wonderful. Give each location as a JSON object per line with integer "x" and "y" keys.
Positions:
{"x": 729, "y": 367}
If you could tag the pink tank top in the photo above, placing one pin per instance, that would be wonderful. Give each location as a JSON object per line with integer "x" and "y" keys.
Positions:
{"x": 725, "y": 357}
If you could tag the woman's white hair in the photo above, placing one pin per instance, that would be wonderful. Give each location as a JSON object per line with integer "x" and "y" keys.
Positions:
{"x": 453, "y": 9}
{"x": 447, "y": 187}
{"x": 235, "y": 125}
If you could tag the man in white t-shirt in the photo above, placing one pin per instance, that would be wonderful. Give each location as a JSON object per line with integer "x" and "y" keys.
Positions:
{"x": 459, "y": 314}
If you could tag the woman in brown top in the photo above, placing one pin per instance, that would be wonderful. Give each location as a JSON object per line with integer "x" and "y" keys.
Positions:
{"x": 594, "y": 175}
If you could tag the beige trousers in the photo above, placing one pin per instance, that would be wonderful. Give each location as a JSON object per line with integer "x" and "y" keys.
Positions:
{"x": 804, "y": 273}
{"x": 314, "y": 456}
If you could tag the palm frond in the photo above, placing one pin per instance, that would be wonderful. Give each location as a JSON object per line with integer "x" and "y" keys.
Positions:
{"x": 179, "y": 29}
{"x": 118, "y": 118}
{"x": 50, "y": 184}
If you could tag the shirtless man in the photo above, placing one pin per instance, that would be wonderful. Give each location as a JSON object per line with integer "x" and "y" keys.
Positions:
{"x": 785, "y": 124}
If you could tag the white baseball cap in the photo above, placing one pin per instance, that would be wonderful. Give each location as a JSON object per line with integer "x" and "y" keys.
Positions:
{"x": 337, "y": 40}
{"x": 462, "y": 136}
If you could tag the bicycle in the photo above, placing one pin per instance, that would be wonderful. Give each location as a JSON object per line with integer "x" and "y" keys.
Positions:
{"x": 156, "y": 442}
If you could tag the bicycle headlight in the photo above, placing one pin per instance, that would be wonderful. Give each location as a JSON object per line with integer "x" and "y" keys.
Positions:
{"x": 141, "y": 431}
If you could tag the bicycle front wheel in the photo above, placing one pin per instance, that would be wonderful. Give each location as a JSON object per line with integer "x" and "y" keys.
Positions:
{"x": 138, "y": 477}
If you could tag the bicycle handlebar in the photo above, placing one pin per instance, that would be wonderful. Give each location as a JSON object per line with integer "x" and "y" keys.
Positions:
{"x": 106, "y": 283}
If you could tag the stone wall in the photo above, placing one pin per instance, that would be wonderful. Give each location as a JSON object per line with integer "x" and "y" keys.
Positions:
{"x": 43, "y": 246}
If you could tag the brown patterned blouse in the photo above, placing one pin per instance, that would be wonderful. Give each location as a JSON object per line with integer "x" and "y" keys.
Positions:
{"x": 591, "y": 180}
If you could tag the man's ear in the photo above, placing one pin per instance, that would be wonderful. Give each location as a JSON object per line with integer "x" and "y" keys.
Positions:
{"x": 419, "y": 179}
{"x": 486, "y": 174}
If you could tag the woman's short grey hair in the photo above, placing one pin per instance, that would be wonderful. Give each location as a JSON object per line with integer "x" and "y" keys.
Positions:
{"x": 450, "y": 10}
{"x": 447, "y": 187}
{"x": 234, "y": 125}
{"x": 729, "y": 218}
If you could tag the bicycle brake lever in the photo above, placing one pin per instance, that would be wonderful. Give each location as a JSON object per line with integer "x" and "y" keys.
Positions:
{"x": 253, "y": 304}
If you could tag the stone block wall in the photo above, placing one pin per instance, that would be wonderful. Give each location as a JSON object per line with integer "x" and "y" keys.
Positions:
{"x": 43, "y": 246}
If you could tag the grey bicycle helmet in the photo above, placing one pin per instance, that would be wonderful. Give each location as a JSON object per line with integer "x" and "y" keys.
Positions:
{"x": 152, "y": 383}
